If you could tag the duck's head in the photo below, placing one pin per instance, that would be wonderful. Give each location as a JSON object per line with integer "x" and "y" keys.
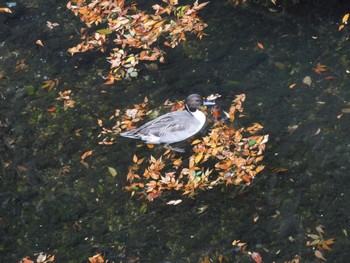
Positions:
{"x": 194, "y": 101}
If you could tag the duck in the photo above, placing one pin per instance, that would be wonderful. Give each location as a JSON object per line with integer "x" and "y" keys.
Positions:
{"x": 175, "y": 126}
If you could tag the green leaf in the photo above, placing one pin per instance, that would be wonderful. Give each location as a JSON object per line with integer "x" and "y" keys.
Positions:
{"x": 104, "y": 31}
{"x": 30, "y": 90}
{"x": 252, "y": 142}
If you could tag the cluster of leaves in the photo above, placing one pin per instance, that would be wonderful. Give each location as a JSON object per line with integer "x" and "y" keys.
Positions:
{"x": 225, "y": 156}
{"x": 133, "y": 33}
{"x": 344, "y": 21}
{"x": 319, "y": 243}
{"x": 40, "y": 258}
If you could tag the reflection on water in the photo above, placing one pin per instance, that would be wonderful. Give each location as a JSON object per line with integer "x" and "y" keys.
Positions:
{"x": 51, "y": 202}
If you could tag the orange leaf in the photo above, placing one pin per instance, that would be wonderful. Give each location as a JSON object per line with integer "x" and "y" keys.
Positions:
{"x": 5, "y": 9}
{"x": 26, "y": 260}
{"x": 341, "y": 27}
{"x": 261, "y": 46}
{"x": 292, "y": 85}
{"x": 53, "y": 109}
{"x": 86, "y": 154}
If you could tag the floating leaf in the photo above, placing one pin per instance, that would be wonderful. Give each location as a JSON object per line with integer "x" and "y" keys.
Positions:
{"x": 5, "y": 9}
{"x": 307, "y": 81}
{"x": 345, "y": 18}
{"x": 319, "y": 255}
{"x": 39, "y": 43}
{"x": 104, "y": 31}
{"x": 112, "y": 171}
{"x": 256, "y": 257}
{"x": 86, "y": 154}
{"x": 261, "y": 46}
{"x": 174, "y": 202}
{"x": 292, "y": 85}
{"x": 346, "y": 110}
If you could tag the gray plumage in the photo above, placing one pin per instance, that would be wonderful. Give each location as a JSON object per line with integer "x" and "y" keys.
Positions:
{"x": 174, "y": 126}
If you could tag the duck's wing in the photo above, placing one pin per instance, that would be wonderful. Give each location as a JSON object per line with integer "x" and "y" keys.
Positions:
{"x": 153, "y": 127}
{"x": 177, "y": 127}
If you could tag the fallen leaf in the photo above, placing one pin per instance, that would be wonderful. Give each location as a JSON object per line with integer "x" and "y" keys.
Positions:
{"x": 86, "y": 154}
{"x": 39, "y": 42}
{"x": 112, "y": 171}
{"x": 341, "y": 27}
{"x": 256, "y": 257}
{"x": 50, "y": 110}
{"x": 174, "y": 202}
{"x": 319, "y": 255}
{"x": 346, "y": 110}
{"x": 292, "y": 85}
{"x": 307, "y": 81}
{"x": 5, "y": 9}
{"x": 261, "y": 46}
{"x": 345, "y": 18}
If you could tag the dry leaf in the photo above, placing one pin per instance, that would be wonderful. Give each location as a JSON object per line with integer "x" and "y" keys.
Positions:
{"x": 346, "y": 110}
{"x": 307, "y": 81}
{"x": 261, "y": 46}
{"x": 319, "y": 255}
{"x": 5, "y": 9}
{"x": 39, "y": 42}
{"x": 256, "y": 257}
{"x": 174, "y": 202}
{"x": 86, "y": 154}
{"x": 292, "y": 85}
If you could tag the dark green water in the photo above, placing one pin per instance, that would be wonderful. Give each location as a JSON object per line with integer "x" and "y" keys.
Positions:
{"x": 77, "y": 214}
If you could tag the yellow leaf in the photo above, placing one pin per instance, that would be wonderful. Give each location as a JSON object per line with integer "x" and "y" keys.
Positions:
{"x": 345, "y": 18}
{"x": 195, "y": 142}
{"x": 131, "y": 58}
{"x": 292, "y": 85}
{"x": 198, "y": 157}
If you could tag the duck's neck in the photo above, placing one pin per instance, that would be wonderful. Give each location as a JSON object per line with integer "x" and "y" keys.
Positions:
{"x": 199, "y": 115}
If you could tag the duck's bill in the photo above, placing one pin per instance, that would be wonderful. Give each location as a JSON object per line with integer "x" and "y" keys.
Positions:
{"x": 209, "y": 103}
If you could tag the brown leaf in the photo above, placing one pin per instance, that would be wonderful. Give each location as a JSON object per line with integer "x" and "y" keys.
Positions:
{"x": 319, "y": 255}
